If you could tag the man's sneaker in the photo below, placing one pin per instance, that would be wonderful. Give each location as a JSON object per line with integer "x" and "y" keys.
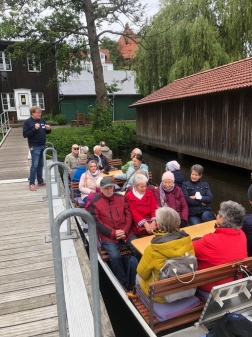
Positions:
{"x": 32, "y": 188}
{"x": 42, "y": 184}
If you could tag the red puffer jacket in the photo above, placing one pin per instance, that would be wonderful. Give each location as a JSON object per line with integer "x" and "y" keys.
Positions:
{"x": 110, "y": 215}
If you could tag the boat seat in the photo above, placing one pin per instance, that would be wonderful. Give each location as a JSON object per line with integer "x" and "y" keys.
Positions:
{"x": 116, "y": 163}
{"x": 75, "y": 194}
{"x": 105, "y": 257}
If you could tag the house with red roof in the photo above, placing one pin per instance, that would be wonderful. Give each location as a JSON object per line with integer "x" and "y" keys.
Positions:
{"x": 207, "y": 115}
{"x": 127, "y": 46}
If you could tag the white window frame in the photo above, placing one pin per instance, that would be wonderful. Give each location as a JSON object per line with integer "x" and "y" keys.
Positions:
{"x": 33, "y": 65}
{"x": 3, "y": 65}
{"x": 105, "y": 68}
{"x": 38, "y": 99}
{"x": 10, "y": 100}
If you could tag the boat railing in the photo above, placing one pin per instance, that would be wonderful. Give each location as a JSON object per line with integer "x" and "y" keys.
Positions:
{"x": 4, "y": 125}
{"x": 57, "y": 236}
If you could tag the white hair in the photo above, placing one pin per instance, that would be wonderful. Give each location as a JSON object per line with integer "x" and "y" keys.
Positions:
{"x": 139, "y": 178}
{"x": 96, "y": 147}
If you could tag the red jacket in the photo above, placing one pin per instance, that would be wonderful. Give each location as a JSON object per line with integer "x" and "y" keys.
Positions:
{"x": 223, "y": 246}
{"x": 176, "y": 200}
{"x": 111, "y": 214}
{"x": 142, "y": 209}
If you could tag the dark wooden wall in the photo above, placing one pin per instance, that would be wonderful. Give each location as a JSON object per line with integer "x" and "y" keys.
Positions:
{"x": 20, "y": 77}
{"x": 215, "y": 127}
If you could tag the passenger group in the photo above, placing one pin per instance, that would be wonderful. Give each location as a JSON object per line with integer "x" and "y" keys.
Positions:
{"x": 142, "y": 209}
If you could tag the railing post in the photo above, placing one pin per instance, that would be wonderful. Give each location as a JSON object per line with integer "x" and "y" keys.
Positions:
{"x": 58, "y": 270}
{"x": 56, "y": 171}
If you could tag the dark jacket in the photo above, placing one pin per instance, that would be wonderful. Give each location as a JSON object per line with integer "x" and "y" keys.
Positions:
{"x": 189, "y": 188}
{"x": 36, "y": 137}
{"x": 111, "y": 214}
{"x": 179, "y": 178}
{"x": 247, "y": 229}
{"x": 104, "y": 161}
{"x": 176, "y": 200}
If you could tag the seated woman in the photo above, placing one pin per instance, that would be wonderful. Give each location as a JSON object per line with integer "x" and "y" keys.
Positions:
{"x": 88, "y": 179}
{"x": 227, "y": 244}
{"x": 174, "y": 244}
{"x": 168, "y": 194}
{"x": 136, "y": 165}
{"x": 143, "y": 206}
{"x": 92, "y": 195}
{"x": 198, "y": 197}
{"x": 174, "y": 167}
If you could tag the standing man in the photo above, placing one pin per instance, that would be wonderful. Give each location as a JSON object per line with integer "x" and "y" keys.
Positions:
{"x": 132, "y": 154}
{"x": 113, "y": 223}
{"x": 99, "y": 158}
{"x": 71, "y": 159}
{"x": 106, "y": 150}
{"x": 36, "y": 129}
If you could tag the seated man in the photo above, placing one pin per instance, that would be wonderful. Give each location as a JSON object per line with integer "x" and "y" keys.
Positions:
{"x": 113, "y": 223}
{"x": 71, "y": 159}
{"x": 247, "y": 225}
{"x": 81, "y": 168}
{"x": 99, "y": 158}
{"x": 227, "y": 244}
{"x": 132, "y": 154}
{"x": 106, "y": 150}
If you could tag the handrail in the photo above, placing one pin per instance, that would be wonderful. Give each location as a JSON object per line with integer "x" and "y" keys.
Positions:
{"x": 55, "y": 159}
{"x": 4, "y": 125}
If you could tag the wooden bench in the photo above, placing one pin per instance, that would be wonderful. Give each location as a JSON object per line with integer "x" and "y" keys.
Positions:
{"x": 121, "y": 182}
{"x": 172, "y": 285}
{"x": 80, "y": 120}
{"x": 117, "y": 162}
{"x": 74, "y": 189}
{"x": 105, "y": 257}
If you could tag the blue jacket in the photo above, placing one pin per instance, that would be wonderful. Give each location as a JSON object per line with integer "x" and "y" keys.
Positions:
{"x": 179, "y": 178}
{"x": 189, "y": 188}
{"x": 77, "y": 171}
{"x": 247, "y": 229}
{"x": 36, "y": 137}
{"x": 129, "y": 172}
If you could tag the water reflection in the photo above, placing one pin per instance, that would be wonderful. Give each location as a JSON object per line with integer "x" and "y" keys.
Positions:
{"x": 226, "y": 182}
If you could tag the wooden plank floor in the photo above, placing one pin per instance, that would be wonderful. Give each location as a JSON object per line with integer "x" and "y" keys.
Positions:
{"x": 27, "y": 285}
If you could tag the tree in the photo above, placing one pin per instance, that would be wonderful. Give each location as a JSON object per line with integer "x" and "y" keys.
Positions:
{"x": 189, "y": 36}
{"x": 67, "y": 26}
{"x": 114, "y": 54}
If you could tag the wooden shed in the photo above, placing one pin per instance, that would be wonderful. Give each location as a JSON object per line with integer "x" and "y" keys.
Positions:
{"x": 207, "y": 115}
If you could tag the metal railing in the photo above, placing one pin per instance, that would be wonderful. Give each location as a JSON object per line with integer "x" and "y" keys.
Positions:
{"x": 57, "y": 256}
{"x": 4, "y": 125}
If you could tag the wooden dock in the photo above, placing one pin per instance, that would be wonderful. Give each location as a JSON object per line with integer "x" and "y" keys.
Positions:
{"x": 27, "y": 286}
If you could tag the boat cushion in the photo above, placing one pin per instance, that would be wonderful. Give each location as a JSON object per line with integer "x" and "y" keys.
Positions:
{"x": 165, "y": 311}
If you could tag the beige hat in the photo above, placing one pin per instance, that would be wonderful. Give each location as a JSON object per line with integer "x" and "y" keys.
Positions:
{"x": 82, "y": 156}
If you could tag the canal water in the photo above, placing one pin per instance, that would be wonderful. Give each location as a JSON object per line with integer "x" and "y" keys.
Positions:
{"x": 226, "y": 183}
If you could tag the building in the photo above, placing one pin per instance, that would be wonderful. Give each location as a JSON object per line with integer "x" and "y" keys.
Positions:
{"x": 127, "y": 46}
{"x": 107, "y": 64}
{"x": 207, "y": 115}
{"x": 23, "y": 84}
{"x": 78, "y": 94}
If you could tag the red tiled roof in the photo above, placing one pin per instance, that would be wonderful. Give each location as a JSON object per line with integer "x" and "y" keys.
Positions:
{"x": 128, "y": 46}
{"x": 228, "y": 77}
{"x": 106, "y": 52}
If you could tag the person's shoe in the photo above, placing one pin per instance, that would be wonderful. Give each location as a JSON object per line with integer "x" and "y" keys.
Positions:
{"x": 32, "y": 187}
{"x": 42, "y": 184}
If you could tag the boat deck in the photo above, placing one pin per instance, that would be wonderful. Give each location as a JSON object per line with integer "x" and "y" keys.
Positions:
{"x": 27, "y": 285}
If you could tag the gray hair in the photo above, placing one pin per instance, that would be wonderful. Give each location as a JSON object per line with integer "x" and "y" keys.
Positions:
{"x": 139, "y": 178}
{"x": 137, "y": 151}
{"x": 232, "y": 213}
{"x": 198, "y": 168}
{"x": 168, "y": 219}
{"x": 90, "y": 162}
{"x": 34, "y": 108}
{"x": 95, "y": 147}
{"x": 84, "y": 149}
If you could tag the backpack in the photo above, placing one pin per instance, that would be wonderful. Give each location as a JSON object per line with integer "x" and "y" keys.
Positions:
{"x": 231, "y": 325}
{"x": 178, "y": 266}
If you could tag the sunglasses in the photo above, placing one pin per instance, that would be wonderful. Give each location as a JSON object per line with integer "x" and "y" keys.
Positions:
{"x": 76, "y": 148}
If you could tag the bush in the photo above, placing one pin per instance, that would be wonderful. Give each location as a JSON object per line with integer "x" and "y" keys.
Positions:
{"x": 56, "y": 120}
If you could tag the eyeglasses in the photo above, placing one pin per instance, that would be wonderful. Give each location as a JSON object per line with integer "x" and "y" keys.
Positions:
{"x": 76, "y": 148}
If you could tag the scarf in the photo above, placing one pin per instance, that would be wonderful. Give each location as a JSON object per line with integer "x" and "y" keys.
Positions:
{"x": 95, "y": 174}
{"x": 137, "y": 194}
{"x": 162, "y": 194}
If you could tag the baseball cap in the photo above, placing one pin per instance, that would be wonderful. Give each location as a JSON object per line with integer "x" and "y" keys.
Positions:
{"x": 105, "y": 182}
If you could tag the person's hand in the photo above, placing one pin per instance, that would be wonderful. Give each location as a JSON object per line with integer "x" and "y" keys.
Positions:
{"x": 47, "y": 126}
{"x": 192, "y": 197}
{"x": 148, "y": 227}
{"x": 102, "y": 170}
{"x": 153, "y": 225}
{"x": 120, "y": 234}
{"x": 112, "y": 177}
{"x": 203, "y": 204}
{"x": 37, "y": 126}
{"x": 92, "y": 191}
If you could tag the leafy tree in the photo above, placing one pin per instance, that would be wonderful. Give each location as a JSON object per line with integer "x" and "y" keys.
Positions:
{"x": 114, "y": 54}
{"x": 68, "y": 27}
{"x": 189, "y": 36}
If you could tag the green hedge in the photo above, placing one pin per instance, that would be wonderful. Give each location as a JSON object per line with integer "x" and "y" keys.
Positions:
{"x": 120, "y": 137}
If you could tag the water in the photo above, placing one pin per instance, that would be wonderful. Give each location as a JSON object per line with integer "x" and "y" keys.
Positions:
{"x": 226, "y": 183}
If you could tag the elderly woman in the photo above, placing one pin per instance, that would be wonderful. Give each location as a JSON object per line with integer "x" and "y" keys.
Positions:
{"x": 168, "y": 194}
{"x": 198, "y": 197}
{"x": 88, "y": 179}
{"x": 174, "y": 167}
{"x": 143, "y": 206}
{"x": 227, "y": 244}
{"x": 137, "y": 164}
{"x": 174, "y": 244}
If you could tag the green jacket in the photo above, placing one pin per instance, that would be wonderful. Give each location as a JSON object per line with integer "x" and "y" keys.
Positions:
{"x": 161, "y": 248}
{"x": 126, "y": 166}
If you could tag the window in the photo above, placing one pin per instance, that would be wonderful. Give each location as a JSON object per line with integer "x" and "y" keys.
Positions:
{"x": 105, "y": 68}
{"x": 38, "y": 99}
{"x": 8, "y": 101}
{"x": 102, "y": 56}
{"x": 5, "y": 61}
{"x": 33, "y": 65}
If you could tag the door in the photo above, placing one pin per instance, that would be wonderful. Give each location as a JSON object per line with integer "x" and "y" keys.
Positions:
{"x": 23, "y": 103}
